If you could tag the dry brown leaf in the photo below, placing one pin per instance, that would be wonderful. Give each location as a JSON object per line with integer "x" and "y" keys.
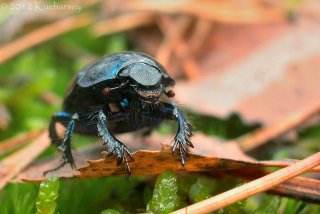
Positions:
{"x": 210, "y": 148}
{"x": 255, "y": 82}
{"x": 310, "y": 8}
{"x": 205, "y": 145}
{"x": 209, "y": 156}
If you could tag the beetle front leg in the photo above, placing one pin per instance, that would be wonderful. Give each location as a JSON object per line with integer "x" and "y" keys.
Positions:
{"x": 182, "y": 138}
{"x": 114, "y": 145}
{"x": 64, "y": 144}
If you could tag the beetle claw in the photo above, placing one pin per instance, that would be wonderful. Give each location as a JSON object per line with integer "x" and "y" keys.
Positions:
{"x": 127, "y": 166}
{"x": 182, "y": 139}
{"x": 119, "y": 160}
{"x": 174, "y": 146}
{"x": 129, "y": 153}
{"x": 183, "y": 162}
{"x": 122, "y": 154}
{"x": 189, "y": 143}
{"x": 65, "y": 161}
{"x": 73, "y": 165}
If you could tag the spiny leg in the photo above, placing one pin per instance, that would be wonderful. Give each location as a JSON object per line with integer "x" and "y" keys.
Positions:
{"x": 64, "y": 144}
{"x": 113, "y": 145}
{"x": 182, "y": 138}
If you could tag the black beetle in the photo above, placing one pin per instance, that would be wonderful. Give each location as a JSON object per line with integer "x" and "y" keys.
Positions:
{"x": 115, "y": 94}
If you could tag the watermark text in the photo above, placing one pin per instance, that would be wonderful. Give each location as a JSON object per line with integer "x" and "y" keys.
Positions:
{"x": 39, "y": 6}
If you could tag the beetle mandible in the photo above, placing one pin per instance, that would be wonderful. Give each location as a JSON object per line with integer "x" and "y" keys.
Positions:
{"x": 115, "y": 94}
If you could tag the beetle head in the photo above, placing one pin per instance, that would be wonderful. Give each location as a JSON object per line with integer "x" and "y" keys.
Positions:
{"x": 147, "y": 81}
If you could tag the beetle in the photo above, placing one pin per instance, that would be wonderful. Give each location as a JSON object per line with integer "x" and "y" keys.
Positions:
{"x": 118, "y": 93}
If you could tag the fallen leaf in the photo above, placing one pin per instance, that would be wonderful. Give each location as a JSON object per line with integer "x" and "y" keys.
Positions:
{"x": 213, "y": 157}
{"x": 284, "y": 66}
{"x": 209, "y": 156}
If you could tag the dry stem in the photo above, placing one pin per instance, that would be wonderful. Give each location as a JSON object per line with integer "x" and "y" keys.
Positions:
{"x": 252, "y": 188}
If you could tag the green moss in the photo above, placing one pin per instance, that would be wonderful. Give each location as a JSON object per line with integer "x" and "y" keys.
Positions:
{"x": 165, "y": 197}
{"x": 109, "y": 211}
{"x": 201, "y": 189}
{"x": 48, "y": 194}
{"x": 269, "y": 205}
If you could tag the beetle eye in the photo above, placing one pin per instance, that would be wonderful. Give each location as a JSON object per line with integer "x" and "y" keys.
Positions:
{"x": 106, "y": 91}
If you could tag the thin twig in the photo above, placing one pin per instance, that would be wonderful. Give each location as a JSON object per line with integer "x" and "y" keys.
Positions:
{"x": 186, "y": 50}
{"x": 12, "y": 165}
{"x": 200, "y": 35}
{"x": 232, "y": 12}
{"x": 265, "y": 134}
{"x": 303, "y": 188}
{"x": 173, "y": 34}
{"x": 123, "y": 22}
{"x": 190, "y": 66}
{"x": 15, "y": 142}
{"x": 252, "y": 188}
{"x": 50, "y": 98}
{"x": 43, "y": 34}
{"x": 5, "y": 117}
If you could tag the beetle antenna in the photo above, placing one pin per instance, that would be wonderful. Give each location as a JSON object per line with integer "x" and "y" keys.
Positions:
{"x": 106, "y": 91}
{"x": 120, "y": 86}
{"x": 133, "y": 84}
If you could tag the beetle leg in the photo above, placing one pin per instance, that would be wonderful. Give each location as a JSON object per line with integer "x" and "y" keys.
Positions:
{"x": 64, "y": 145}
{"x": 60, "y": 117}
{"x": 182, "y": 138}
{"x": 113, "y": 145}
